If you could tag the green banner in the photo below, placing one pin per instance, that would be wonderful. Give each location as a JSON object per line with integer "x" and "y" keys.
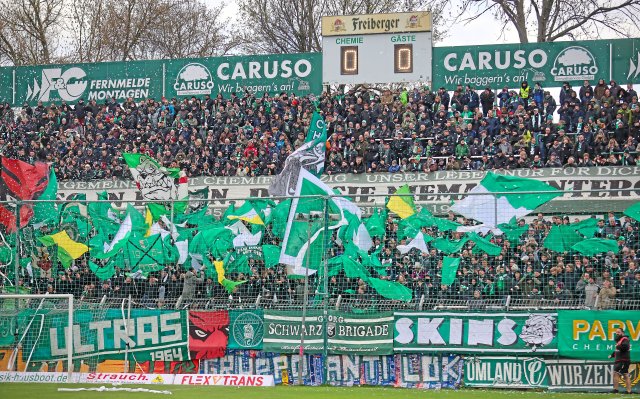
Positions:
{"x": 551, "y": 64}
{"x": 149, "y": 334}
{"x": 246, "y": 329}
{"x": 283, "y": 332}
{"x": 588, "y": 334}
{"x": 346, "y": 333}
{"x": 486, "y": 333}
{"x": 503, "y": 372}
{"x": 360, "y": 334}
{"x": 291, "y": 73}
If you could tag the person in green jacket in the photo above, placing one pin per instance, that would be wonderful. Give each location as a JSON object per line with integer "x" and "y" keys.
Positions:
{"x": 462, "y": 149}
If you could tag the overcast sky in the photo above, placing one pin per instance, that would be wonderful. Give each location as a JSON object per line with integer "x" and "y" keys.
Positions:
{"x": 484, "y": 30}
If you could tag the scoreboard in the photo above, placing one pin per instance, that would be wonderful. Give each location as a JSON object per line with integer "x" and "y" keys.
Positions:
{"x": 379, "y": 48}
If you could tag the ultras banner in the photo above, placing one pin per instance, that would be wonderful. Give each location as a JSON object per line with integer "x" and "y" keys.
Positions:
{"x": 346, "y": 333}
{"x": 409, "y": 371}
{"x": 588, "y": 334}
{"x": 464, "y": 332}
{"x": 150, "y": 335}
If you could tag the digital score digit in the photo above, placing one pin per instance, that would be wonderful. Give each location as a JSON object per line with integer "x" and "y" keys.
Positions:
{"x": 403, "y": 58}
{"x": 349, "y": 60}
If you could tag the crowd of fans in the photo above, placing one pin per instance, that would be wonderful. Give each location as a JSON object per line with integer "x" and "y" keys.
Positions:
{"x": 525, "y": 270}
{"x": 400, "y": 131}
{"x": 403, "y": 131}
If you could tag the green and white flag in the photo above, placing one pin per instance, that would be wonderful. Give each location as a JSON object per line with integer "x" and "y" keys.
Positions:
{"x": 310, "y": 157}
{"x": 418, "y": 242}
{"x": 156, "y": 182}
{"x": 305, "y": 239}
{"x": 499, "y": 198}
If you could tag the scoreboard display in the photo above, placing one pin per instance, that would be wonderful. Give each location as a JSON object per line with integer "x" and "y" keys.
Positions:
{"x": 380, "y": 48}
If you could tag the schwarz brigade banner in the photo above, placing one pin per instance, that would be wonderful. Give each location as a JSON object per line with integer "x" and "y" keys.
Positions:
{"x": 588, "y": 334}
{"x": 284, "y": 332}
{"x": 486, "y": 333}
{"x": 246, "y": 329}
{"x": 150, "y": 335}
{"x": 362, "y": 334}
{"x": 436, "y": 190}
{"x": 505, "y": 372}
{"x": 346, "y": 333}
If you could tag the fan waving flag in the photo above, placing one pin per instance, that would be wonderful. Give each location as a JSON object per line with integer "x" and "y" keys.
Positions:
{"x": 310, "y": 157}
{"x": 154, "y": 181}
{"x": 499, "y": 198}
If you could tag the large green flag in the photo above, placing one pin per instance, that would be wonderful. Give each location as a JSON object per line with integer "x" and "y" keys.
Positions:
{"x": 271, "y": 254}
{"x": 594, "y": 246}
{"x": 391, "y": 289}
{"x": 45, "y": 213}
{"x": 633, "y": 211}
{"x": 278, "y": 218}
{"x": 146, "y": 254}
{"x": 562, "y": 238}
{"x": 376, "y": 223}
{"x": 102, "y": 216}
{"x": 512, "y": 231}
{"x": 484, "y": 245}
{"x": 449, "y": 270}
{"x": 499, "y": 198}
{"x": 303, "y": 241}
{"x": 104, "y": 272}
{"x": 449, "y": 247}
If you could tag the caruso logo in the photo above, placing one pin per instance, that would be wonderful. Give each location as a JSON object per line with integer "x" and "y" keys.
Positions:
{"x": 69, "y": 84}
{"x": 193, "y": 79}
{"x": 574, "y": 63}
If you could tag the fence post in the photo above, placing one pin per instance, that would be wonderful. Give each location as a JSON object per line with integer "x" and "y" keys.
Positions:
{"x": 325, "y": 284}
{"x": 16, "y": 256}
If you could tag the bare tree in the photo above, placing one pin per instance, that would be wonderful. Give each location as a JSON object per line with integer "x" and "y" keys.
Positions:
{"x": 28, "y": 30}
{"x": 191, "y": 29}
{"x": 87, "y": 19}
{"x": 112, "y": 30}
{"x": 287, "y": 26}
{"x": 551, "y": 20}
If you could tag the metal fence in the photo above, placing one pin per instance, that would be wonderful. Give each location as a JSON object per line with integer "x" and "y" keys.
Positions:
{"x": 529, "y": 272}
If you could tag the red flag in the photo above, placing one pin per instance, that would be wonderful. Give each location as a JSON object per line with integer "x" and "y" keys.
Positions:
{"x": 20, "y": 181}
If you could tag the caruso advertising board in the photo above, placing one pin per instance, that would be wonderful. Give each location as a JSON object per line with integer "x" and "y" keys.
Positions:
{"x": 292, "y": 73}
{"x": 551, "y": 64}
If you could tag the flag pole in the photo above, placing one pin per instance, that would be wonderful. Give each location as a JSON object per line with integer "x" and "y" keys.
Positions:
{"x": 304, "y": 303}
